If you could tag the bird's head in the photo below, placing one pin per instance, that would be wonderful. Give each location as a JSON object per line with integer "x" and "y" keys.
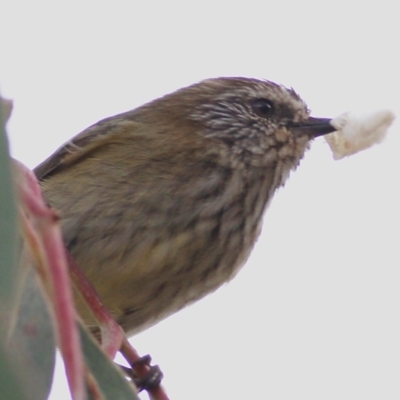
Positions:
{"x": 259, "y": 122}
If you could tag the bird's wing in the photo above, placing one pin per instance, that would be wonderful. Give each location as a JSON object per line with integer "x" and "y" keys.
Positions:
{"x": 92, "y": 138}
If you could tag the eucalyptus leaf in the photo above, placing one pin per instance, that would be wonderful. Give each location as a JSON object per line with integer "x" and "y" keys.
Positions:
{"x": 10, "y": 385}
{"x": 110, "y": 379}
{"x": 8, "y": 225}
{"x": 27, "y": 345}
{"x": 10, "y": 382}
{"x": 31, "y": 342}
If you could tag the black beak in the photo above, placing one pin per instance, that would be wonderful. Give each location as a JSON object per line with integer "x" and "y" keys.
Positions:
{"x": 313, "y": 127}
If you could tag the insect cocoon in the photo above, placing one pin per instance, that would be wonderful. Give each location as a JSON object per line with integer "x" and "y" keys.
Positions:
{"x": 358, "y": 132}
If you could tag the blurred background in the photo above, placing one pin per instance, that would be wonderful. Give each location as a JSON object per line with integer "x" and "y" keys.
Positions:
{"x": 315, "y": 312}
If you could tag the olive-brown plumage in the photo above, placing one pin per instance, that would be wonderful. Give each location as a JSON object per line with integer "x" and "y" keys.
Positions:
{"x": 161, "y": 205}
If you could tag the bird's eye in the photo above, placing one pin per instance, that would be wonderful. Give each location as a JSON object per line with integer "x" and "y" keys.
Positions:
{"x": 262, "y": 107}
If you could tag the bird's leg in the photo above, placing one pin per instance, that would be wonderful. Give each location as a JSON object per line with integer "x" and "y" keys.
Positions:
{"x": 113, "y": 339}
{"x": 150, "y": 381}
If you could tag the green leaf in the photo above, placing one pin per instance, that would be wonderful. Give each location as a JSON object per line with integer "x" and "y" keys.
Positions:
{"x": 110, "y": 379}
{"x": 8, "y": 225}
{"x": 32, "y": 343}
{"x": 10, "y": 385}
{"x": 27, "y": 345}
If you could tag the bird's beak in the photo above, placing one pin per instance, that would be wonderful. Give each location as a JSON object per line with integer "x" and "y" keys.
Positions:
{"x": 313, "y": 127}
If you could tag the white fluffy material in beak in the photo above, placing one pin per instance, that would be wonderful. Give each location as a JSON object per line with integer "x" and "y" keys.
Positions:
{"x": 356, "y": 133}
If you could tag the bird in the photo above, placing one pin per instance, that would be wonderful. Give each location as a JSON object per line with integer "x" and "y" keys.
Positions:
{"x": 161, "y": 205}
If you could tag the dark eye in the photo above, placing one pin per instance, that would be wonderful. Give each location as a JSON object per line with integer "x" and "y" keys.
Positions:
{"x": 262, "y": 107}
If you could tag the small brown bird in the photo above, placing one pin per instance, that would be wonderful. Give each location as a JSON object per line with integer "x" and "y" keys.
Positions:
{"x": 161, "y": 205}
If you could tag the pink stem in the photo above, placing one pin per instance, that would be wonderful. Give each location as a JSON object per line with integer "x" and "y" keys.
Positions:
{"x": 56, "y": 269}
{"x": 112, "y": 334}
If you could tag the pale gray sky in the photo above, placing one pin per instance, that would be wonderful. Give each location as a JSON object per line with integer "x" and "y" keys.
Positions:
{"x": 315, "y": 312}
